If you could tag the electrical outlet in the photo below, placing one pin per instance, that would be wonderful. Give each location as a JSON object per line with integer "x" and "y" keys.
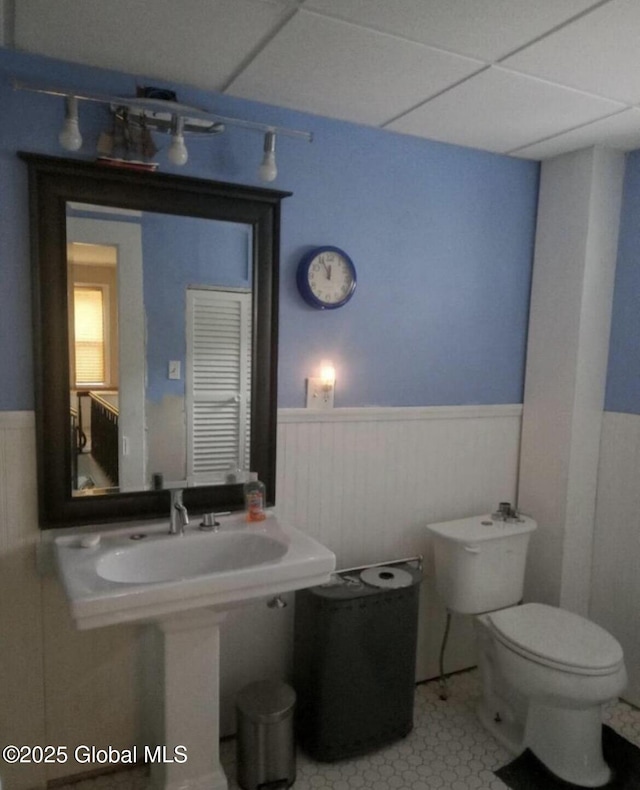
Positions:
{"x": 174, "y": 369}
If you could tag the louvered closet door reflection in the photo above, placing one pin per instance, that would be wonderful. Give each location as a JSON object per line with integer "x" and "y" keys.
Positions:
{"x": 218, "y": 383}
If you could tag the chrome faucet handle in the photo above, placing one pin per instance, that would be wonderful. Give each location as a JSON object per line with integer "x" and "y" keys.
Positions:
{"x": 178, "y": 516}
{"x": 210, "y": 521}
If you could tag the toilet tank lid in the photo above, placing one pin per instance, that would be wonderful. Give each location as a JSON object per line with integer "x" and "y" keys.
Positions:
{"x": 559, "y": 636}
{"x": 479, "y": 528}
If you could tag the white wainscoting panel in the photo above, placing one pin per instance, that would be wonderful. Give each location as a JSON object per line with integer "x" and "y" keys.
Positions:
{"x": 615, "y": 595}
{"x": 365, "y": 482}
{"x": 58, "y": 685}
{"x": 21, "y": 649}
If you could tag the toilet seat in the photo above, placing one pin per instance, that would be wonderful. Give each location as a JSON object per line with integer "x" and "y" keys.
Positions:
{"x": 557, "y": 638}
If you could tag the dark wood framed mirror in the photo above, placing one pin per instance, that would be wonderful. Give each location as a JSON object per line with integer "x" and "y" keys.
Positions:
{"x": 68, "y": 196}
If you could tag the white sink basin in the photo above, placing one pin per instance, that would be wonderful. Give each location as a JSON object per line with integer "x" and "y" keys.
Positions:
{"x": 165, "y": 559}
{"x": 126, "y": 578}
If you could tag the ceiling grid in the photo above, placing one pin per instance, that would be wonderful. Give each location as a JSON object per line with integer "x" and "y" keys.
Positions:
{"x": 531, "y": 80}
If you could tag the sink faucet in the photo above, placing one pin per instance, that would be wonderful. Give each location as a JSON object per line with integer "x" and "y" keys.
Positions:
{"x": 178, "y": 516}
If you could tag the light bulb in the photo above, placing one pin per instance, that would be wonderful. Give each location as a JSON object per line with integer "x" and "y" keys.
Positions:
{"x": 70, "y": 137}
{"x": 268, "y": 170}
{"x": 178, "y": 153}
{"x": 327, "y": 374}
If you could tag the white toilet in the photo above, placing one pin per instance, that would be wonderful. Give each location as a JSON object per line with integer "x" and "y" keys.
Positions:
{"x": 546, "y": 672}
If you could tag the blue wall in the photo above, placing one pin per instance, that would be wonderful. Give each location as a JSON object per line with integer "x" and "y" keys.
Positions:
{"x": 623, "y": 381}
{"x": 442, "y": 238}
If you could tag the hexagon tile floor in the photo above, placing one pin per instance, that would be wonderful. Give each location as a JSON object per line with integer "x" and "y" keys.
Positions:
{"x": 447, "y": 750}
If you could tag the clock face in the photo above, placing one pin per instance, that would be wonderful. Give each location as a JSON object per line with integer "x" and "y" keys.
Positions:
{"x": 326, "y": 278}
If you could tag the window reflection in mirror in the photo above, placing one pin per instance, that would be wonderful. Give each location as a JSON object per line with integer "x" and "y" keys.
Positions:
{"x": 159, "y": 349}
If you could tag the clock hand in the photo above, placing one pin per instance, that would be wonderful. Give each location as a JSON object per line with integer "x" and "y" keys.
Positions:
{"x": 328, "y": 272}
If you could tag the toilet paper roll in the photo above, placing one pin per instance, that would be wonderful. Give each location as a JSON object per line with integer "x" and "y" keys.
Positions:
{"x": 386, "y": 577}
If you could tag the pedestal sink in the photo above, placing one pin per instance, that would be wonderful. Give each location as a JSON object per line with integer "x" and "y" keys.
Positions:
{"x": 182, "y": 586}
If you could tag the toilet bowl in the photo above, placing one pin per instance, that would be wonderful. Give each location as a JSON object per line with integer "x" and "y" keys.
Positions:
{"x": 547, "y": 673}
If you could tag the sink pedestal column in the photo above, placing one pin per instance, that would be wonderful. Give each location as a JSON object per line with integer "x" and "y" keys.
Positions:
{"x": 185, "y": 703}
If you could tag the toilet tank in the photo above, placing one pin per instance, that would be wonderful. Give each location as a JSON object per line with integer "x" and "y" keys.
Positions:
{"x": 480, "y": 562}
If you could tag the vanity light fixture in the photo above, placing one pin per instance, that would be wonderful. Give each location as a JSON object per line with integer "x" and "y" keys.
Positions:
{"x": 149, "y": 113}
{"x": 70, "y": 137}
{"x": 321, "y": 389}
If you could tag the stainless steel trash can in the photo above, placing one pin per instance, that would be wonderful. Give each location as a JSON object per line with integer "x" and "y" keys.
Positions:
{"x": 266, "y": 758}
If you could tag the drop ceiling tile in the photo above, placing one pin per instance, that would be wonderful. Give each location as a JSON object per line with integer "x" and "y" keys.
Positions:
{"x": 486, "y": 29}
{"x": 621, "y": 131}
{"x": 197, "y": 42}
{"x": 340, "y": 70}
{"x": 499, "y": 111}
{"x": 598, "y": 53}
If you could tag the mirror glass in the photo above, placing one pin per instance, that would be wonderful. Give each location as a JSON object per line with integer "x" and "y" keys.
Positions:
{"x": 160, "y": 327}
{"x": 155, "y": 340}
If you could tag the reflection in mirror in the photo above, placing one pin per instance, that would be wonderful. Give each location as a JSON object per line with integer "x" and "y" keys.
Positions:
{"x": 160, "y": 326}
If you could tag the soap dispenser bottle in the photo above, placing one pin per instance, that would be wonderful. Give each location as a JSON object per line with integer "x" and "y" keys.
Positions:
{"x": 255, "y": 498}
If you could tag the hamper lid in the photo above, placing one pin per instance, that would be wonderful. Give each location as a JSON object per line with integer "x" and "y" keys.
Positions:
{"x": 556, "y": 636}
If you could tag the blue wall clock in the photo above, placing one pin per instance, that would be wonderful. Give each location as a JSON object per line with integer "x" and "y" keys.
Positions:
{"x": 326, "y": 278}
